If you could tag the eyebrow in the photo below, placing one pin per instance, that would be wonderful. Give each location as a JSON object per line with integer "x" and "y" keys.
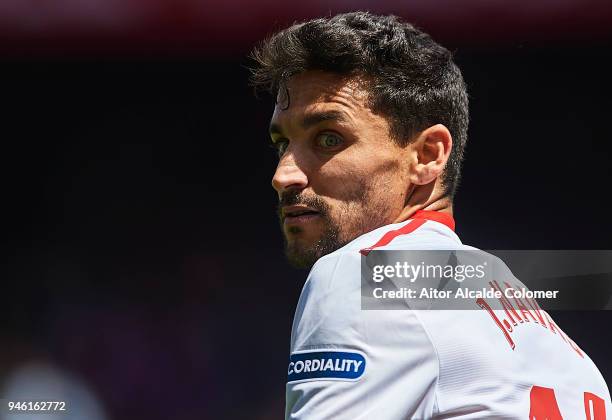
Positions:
{"x": 313, "y": 119}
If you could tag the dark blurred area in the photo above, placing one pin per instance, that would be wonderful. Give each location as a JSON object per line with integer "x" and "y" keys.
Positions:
{"x": 144, "y": 259}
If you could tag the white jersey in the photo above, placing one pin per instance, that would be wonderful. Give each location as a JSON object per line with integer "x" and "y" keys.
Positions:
{"x": 349, "y": 363}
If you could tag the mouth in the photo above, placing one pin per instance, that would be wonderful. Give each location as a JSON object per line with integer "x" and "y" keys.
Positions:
{"x": 297, "y": 215}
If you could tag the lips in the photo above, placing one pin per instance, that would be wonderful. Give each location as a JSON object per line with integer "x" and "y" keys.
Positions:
{"x": 295, "y": 211}
{"x": 299, "y": 214}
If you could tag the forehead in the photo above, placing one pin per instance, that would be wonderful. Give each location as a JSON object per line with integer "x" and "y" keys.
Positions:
{"x": 320, "y": 90}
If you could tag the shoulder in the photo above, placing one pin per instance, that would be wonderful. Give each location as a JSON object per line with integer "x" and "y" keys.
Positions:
{"x": 329, "y": 309}
{"x": 338, "y": 274}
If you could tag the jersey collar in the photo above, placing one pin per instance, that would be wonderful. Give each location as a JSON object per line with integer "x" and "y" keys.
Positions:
{"x": 436, "y": 216}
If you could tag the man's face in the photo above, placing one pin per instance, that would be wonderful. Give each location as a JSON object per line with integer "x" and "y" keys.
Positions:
{"x": 340, "y": 174}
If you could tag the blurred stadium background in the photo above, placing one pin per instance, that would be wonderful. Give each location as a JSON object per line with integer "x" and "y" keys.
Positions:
{"x": 144, "y": 271}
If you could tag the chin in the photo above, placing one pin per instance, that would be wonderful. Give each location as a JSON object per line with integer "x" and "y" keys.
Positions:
{"x": 300, "y": 258}
{"x": 301, "y": 255}
{"x": 304, "y": 247}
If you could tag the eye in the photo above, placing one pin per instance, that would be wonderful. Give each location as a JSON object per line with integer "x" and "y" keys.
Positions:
{"x": 280, "y": 145}
{"x": 328, "y": 140}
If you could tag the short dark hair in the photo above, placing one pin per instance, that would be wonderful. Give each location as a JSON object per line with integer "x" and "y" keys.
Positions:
{"x": 410, "y": 79}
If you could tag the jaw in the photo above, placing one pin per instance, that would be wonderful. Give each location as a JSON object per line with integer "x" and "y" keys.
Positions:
{"x": 309, "y": 240}
{"x": 304, "y": 247}
{"x": 300, "y": 254}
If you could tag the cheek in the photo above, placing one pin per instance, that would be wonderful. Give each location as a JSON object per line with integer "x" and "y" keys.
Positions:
{"x": 351, "y": 182}
{"x": 341, "y": 180}
{"x": 372, "y": 199}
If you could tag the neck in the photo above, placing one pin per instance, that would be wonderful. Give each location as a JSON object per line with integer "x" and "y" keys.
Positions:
{"x": 426, "y": 197}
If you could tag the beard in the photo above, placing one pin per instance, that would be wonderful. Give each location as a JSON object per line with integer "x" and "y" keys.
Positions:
{"x": 299, "y": 255}
{"x": 333, "y": 235}
{"x": 305, "y": 257}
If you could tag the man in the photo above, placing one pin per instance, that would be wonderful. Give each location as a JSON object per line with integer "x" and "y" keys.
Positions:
{"x": 370, "y": 124}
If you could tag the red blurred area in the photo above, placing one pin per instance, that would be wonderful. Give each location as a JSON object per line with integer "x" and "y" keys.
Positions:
{"x": 231, "y": 26}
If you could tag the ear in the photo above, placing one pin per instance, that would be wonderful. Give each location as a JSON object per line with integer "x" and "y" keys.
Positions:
{"x": 431, "y": 150}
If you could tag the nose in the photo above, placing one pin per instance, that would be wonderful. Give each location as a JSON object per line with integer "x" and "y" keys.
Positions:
{"x": 288, "y": 176}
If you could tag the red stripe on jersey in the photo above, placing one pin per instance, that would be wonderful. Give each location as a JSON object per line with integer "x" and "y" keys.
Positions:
{"x": 437, "y": 216}
{"x": 419, "y": 218}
